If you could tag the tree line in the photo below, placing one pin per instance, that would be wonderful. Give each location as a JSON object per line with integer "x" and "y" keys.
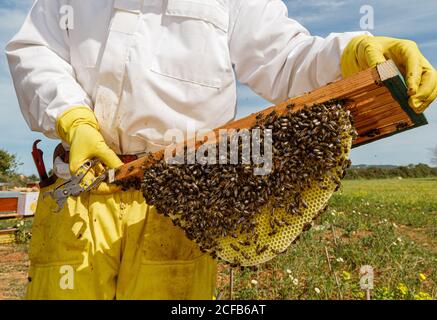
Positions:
{"x": 8, "y": 171}
{"x": 385, "y": 172}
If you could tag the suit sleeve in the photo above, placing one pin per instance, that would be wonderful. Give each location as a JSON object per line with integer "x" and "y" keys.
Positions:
{"x": 276, "y": 56}
{"x": 39, "y": 61}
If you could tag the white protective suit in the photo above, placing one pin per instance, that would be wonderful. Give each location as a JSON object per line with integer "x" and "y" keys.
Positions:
{"x": 145, "y": 67}
{"x": 152, "y": 65}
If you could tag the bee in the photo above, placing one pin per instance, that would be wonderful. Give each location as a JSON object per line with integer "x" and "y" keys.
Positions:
{"x": 323, "y": 187}
{"x": 245, "y": 243}
{"x": 277, "y": 252}
{"x": 306, "y": 227}
{"x": 234, "y": 247}
{"x": 260, "y": 250}
{"x": 272, "y": 233}
{"x": 245, "y": 255}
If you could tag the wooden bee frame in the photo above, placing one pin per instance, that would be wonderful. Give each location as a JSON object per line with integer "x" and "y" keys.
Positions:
{"x": 377, "y": 99}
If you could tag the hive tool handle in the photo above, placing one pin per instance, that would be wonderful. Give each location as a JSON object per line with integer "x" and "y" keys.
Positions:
{"x": 37, "y": 155}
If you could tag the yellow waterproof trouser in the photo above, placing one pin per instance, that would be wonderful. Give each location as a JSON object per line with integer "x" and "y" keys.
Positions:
{"x": 113, "y": 246}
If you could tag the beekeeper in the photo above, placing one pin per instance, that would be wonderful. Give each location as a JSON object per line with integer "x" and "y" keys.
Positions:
{"x": 109, "y": 78}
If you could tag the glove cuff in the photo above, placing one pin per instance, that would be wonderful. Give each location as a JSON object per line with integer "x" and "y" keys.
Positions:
{"x": 72, "y": 118}
{"x": 349, "y": 61}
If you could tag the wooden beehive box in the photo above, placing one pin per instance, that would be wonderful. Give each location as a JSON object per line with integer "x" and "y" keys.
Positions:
{"x": 377, "y": 99}
{"x": 9, "y": 202}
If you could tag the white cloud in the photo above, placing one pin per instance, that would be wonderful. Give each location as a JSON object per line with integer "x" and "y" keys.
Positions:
{"x": 401, "y": 18}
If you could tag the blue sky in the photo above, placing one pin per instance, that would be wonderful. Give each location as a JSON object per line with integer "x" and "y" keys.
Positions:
{"x": 414, "y": 20}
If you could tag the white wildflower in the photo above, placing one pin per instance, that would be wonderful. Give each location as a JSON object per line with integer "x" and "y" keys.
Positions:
{"x": 317, "y": 290}
{"x": 319, "y": 228}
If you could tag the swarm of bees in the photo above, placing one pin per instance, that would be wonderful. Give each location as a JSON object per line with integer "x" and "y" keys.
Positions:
{"x": 212, "y": 202}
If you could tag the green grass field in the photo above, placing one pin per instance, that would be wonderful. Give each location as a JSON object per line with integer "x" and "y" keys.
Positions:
{"x": 388, "y": 224}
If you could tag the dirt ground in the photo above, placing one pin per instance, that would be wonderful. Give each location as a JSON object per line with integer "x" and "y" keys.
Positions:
{"x": 14, "y": 263}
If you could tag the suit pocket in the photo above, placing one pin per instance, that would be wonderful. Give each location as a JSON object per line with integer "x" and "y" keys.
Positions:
{"x": 58, "y": 237}
{"x": 193, "y": 46}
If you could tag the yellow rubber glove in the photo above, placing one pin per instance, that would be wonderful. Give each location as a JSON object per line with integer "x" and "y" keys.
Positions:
{"x": 79, "y": 128}
{"x": 365, "y": 52}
